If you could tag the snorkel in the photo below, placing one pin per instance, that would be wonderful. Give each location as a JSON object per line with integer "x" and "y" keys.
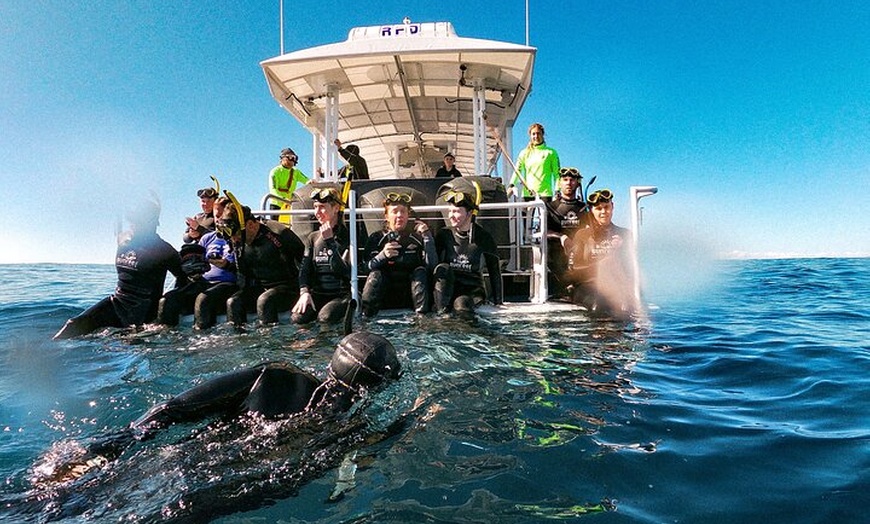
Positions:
{"x": 585, "y": 192}
{"x": 240, "y": 216}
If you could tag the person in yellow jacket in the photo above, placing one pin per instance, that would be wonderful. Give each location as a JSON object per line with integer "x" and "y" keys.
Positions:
{"x": 284, "y": 178}
{"x": 537, "y": 167}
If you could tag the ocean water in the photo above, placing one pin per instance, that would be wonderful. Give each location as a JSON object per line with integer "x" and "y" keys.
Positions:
{"x": 745, "y": 400}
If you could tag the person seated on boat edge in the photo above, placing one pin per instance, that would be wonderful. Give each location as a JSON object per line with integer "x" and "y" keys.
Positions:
{"x": 464, "y": 249}
{"x": 357, "y": 168}
{"x": 141, "y": 261}
{"x": 399, "y": 258}
{"x": 448, "y": 168}
{"x": 267, "y": 257}
{"x": 537, "y": 167}
{"x": 212, "y": 271}
{"x": 324, "y": 274}
{"x": 566, "y": 214}
{"x": 283, "y": 180}
{"x": 202, "y": 223}
{"x": 362, "y": 363}
{"x": 600, "y": 265}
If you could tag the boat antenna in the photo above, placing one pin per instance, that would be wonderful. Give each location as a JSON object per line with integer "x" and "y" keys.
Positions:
{"x": 527, "y": 23}
{"x": 281, "y": 23}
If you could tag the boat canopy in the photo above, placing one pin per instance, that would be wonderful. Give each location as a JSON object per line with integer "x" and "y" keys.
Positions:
{"x": 406, "y": 94}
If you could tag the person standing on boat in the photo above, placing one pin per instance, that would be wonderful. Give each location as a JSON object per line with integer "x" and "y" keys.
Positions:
{"x": 566, "y": 214}
{"x": 284, "y": 178}
{"x": 142, "y": 260}
{"x": 356, "y": 168}
{"x": 537, "y": 167}
{"x": 399, "y": 259}
{"x": 324, "y": 275}
{"x": 267, "y": 257}
{"x": 210, "y": 286}
{"x": 448, "y": 168}
{"x": 464, "y": 249}
{"x": 600, "y": 265}
{"x": 202, "y": 223}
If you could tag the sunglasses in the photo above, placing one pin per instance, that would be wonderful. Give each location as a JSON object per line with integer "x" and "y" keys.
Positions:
{"x": 289, "y": 157}
{"x": 397, "y": 198}
{"x": 326, "y": 194}
{"x": 570, "y": 171}
{"x": 226, "y": 229}
{"x": 601, "y": 196}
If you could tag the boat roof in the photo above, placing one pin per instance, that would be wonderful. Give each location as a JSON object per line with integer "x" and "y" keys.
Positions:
{"x": 405, "y": 93}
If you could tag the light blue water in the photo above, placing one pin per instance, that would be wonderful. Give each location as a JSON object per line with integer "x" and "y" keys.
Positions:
{"x": 747, "y": 403}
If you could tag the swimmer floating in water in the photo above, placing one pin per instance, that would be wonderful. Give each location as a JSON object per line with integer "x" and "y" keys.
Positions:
{"x": 316, "y": 414}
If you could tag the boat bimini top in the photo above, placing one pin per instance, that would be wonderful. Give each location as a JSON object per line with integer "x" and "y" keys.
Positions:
{"x": 406, "y": 94}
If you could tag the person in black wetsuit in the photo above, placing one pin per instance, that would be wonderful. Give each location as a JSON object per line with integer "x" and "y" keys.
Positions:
{"x": 601, "y": 267}
{"x": 399, "y": 259}
{"x": 202, "y": 223}
{"x": 361, "y": 363}
{"x": 464, "y": 250}
{"x": 566, "y": 214}
{"x": 142, "y": 260}
{"x": 324, "y": 275}
{"x": 267, "y": 258}
{"x": 448, "y": 169}
{"x": 357, "y": 168}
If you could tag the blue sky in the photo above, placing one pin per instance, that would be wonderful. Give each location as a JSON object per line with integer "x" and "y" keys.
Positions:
{"x": 753, "y": 118}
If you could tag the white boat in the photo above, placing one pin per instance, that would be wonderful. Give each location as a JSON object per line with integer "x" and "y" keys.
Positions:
{"x": 406, "y": 94}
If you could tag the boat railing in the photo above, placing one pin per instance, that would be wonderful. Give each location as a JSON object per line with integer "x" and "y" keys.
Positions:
{"x": 527, "y": 245}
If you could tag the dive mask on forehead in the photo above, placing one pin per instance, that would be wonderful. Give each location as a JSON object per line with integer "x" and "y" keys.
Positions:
{"x": 602, "y": 196}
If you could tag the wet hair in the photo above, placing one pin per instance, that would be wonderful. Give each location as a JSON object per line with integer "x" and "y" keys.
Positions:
{"x": 145, "y": 212}
{"x": 364, "y": 360}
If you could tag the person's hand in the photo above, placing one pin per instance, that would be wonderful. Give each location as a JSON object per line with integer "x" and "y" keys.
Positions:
{"x": 512, "y": 190}
{"x": 421, "y": 228}
{"x": 337, "y": 143}
{"x": 305, "y": 301}
{"x": 391, "y": 249}
{"x": 326, "y": 230}
{"x": 191, "y": 223}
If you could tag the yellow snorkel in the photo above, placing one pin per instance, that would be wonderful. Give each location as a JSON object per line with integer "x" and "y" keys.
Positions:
{"x": 345, "y": 194}
{"x": 478, "y": 196}
{"x": 217, "y": 185}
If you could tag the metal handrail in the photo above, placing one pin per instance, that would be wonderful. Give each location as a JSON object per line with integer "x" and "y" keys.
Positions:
{"x": 538, "y": 284}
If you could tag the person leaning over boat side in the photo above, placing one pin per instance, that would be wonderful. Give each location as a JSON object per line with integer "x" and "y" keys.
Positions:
{"x": 464, "y": 249}
{"x": 324, "y": 275}
{"x": 267, "y": 258}
{"x": 399, "y": 259}
{"x": 356, "y": 168}
{"x": 448, "y": 168}
{"x": 566, "y": 214}
{"x": 537, "y": 167}
{"x": 202, "y": 223}
{"x": 211, "y": 285}
{"x": 141, "y": 260}
{"x": 284, "y": 177}
{"x": 600, "y": 265}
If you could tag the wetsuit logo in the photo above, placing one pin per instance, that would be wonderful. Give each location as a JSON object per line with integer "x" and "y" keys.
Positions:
{"x": 127, "y": 259}
{"x": 461, "y": 263}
